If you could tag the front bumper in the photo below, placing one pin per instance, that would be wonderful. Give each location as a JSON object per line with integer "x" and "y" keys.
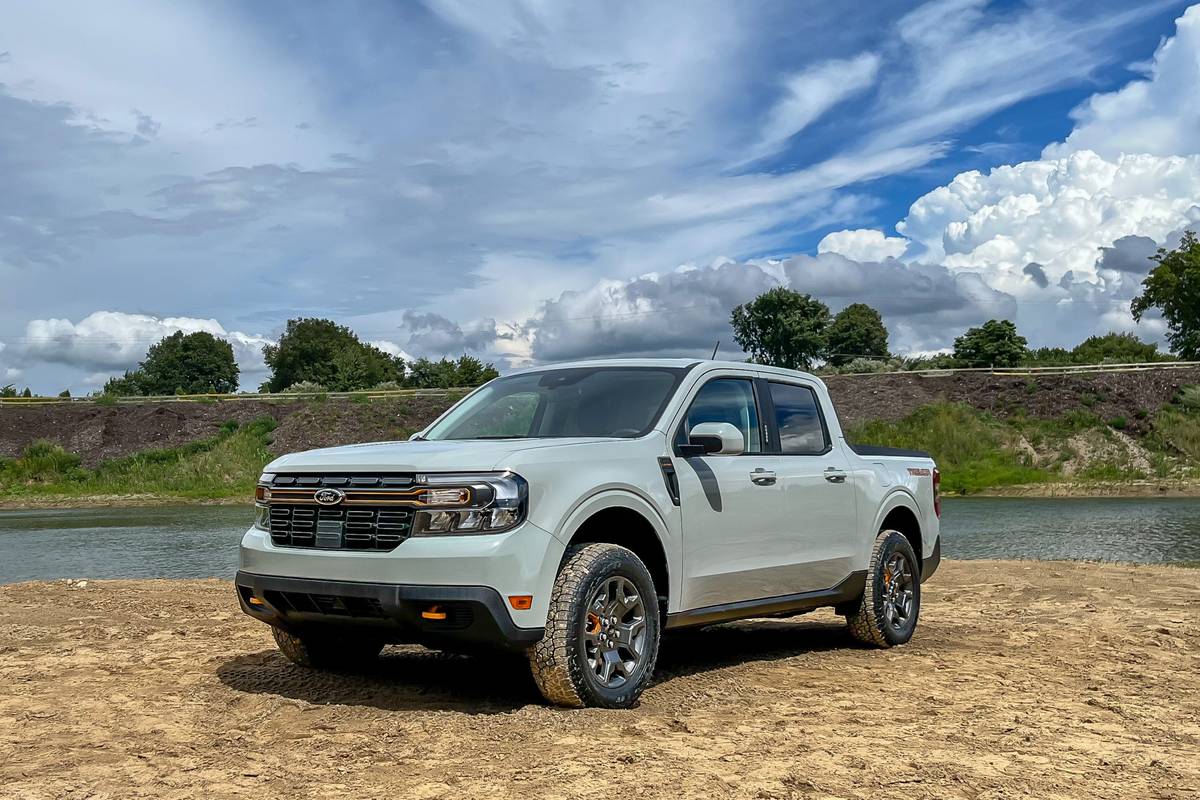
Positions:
{"x": 475, "y": 616}
{"x": 523, "y": 561}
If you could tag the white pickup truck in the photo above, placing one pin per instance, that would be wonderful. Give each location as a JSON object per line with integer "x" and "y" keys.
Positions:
{"x": 573, "y": 513}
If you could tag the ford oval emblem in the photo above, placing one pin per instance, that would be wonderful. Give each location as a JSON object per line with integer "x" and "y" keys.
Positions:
{"x": 329, "y": 497}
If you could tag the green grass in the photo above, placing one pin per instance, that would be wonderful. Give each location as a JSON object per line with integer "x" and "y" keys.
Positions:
{"x": 1178, "y": 431}
{"x": 224, "y": 465}
{"x": 972, "y": 449}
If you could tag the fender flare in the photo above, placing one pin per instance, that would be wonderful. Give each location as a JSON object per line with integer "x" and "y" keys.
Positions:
{"x": 900, "y": 498}
{"x": 630, "y": 500}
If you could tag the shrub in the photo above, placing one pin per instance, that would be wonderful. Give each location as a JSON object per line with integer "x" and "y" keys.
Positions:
{"x": 1189, "y": 398}
{"x": 1118, "y": 423}
{"x": 43, "y": 462}
{"x": 305, "y": 387}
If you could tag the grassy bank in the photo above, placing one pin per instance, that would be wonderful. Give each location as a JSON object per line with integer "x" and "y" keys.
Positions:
{"x": 1076, "y": 454}
{"x": 979, "y": 452}
{"x": 224, "y": 465}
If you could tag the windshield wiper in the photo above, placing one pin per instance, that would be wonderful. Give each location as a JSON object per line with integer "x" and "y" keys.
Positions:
{"x": 503, "y": 436}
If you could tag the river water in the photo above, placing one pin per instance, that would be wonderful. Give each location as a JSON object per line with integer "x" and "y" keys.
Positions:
{"x": 201, "y": 541}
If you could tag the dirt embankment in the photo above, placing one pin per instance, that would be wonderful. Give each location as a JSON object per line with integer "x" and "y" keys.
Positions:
{"x": 96, "y": 433}
{"x": 1135, "y": 396}
{"x": 1026, "y": 679}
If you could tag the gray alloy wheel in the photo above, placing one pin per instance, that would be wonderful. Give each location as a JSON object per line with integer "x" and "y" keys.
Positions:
{"x": 898, "y": 592}
{"x": 602, "y": 630}
{"x": 614, "y": 632}
{"x": 887, "y": 613}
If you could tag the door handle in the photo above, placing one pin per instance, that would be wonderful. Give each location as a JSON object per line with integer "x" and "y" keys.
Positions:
{"x": 835, "y": 475}
{"x": 762, "y": 477}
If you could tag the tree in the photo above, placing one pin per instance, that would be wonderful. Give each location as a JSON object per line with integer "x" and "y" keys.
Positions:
{"x": 782, "y": 328}
{"x": 1050, "y": 357}
{"x": 996, "y": 343}
{"x": 857, "y": 331}
{"x": 27, "y": 392}
{"x": 1115, "y": 348}
{"x": 447, "y": 374}
{"x": 129, "y": 384}
{"x": 1173, "y": 287}
{"x": 193, "y": 363}
{"x": 323, "y": 352}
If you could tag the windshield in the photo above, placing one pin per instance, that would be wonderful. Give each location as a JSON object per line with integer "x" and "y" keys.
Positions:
{"x": 620, "y": 402}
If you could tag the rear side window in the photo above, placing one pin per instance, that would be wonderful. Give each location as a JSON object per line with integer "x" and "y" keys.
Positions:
{"x": 727, "y": 400}
{"x": 801, "y": 429}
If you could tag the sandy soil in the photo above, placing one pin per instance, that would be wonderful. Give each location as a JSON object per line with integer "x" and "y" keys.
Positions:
{"x": 1048, "y": 680}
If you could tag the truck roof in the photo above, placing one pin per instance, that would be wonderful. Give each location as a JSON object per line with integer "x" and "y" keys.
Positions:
{"x": 666, "y": 362}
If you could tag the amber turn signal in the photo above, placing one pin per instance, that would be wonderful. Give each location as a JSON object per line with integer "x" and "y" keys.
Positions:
{"x": 433, "y": 612}
{"x": 521, "y": 602}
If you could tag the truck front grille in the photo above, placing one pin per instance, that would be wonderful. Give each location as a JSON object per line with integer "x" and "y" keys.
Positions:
{"x": 339, "y": 528}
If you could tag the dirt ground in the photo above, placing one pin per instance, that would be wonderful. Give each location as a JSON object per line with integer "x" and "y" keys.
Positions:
{"x": 1025, "y": 679}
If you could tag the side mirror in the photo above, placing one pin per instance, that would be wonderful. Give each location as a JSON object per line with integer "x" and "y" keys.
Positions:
{"x": 715, "y": 438}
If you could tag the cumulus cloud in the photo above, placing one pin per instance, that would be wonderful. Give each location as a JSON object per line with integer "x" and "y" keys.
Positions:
{"x": 1159, "y": 115}
{"x": 433, "y": 334}
{"x": 686, "y": 311}
{"x": 109, "y": 342}
{"x": 1055, "y": 212}
{"x": 863, "y": 245}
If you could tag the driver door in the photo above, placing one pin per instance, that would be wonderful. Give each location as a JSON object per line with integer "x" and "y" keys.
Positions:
{"x": 733, "y": 505}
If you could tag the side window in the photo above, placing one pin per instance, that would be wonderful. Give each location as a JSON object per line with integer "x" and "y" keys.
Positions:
{"x": 801, "y": 430}
{"x": 727, "y": 400}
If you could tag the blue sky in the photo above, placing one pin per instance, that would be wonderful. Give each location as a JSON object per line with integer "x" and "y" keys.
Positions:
{"x": 533, "y": 181}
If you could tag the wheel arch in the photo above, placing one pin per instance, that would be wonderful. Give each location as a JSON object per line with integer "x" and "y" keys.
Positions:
{"x": 627, "y": 520}
{"x": 899, "y": 513}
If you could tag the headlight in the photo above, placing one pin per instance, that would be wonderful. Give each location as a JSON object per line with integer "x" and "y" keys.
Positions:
{"x": 262, "y": 496}
{"x": 471, "y": 503}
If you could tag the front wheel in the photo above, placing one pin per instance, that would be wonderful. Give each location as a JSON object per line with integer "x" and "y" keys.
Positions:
{"x": 887, "y": 614}
{"x": 602, "y": 630}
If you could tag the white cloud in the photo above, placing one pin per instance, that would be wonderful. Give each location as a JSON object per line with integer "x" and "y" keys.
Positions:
{"x": 1159, "y": 115}
{"x": 393, "y": 349}
{"x": 109, "y": 342}
{"x": 809, "y": 94}
{"x": 863, "y": 245}
{"x": 1056, "y": 213}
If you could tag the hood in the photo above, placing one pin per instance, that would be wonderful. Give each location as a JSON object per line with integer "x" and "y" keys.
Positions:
{"x": 420, "y": 456}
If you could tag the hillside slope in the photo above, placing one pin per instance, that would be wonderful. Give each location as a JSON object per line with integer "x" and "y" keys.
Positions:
{"x": 985, "y": 430}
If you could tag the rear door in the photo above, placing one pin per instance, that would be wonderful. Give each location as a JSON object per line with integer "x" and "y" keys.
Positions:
{"x": 815, "y": 478}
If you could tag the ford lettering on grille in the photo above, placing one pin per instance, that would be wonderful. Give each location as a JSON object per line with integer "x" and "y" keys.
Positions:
{"x": 329, "y": 497}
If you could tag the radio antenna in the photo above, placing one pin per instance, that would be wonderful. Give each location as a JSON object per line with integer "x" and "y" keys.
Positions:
{"x": 715, "y": 347}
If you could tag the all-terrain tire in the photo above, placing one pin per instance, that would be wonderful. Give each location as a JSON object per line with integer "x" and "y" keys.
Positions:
{"x": 559, "y": 662}
{"x": 868, "y": 619}
{"x": 327, "y": 651}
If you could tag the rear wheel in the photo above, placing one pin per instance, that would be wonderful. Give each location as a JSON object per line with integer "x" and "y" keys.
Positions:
{"x": 327, "y": 650}
{"x": 891, "y": 602}
{"x": 602, "y": 631}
